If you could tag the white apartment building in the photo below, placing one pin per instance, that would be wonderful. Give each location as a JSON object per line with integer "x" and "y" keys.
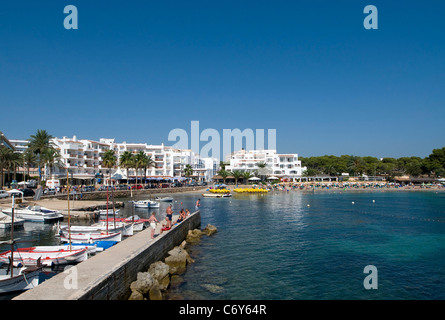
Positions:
{"x": 83, "y": 158}
{"x": 279, "y": 165}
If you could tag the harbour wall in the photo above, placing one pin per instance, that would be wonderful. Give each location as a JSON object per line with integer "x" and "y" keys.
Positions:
{"x": 108, "y": 274}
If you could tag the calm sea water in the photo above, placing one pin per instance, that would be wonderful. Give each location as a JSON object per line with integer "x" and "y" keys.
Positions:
{"x": 276, "y": 247}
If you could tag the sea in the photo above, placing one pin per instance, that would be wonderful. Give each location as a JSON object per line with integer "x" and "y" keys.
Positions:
{"x": 294, "y": 245}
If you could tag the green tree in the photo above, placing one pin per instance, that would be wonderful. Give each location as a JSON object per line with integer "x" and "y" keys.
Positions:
{"x": 246, "y": 176}
{"x": 29, "y": 159}
{"x": 5, "y": 157}
{"x": 237, "y": 174}
{"x": 188, "y": 170}
{"x": 109, "y": 160}
{"x": 224, "y": 174}
{"x": 126, "y": 161}
{"x": 38, "y": 143}
{"x": 51, "y": 158}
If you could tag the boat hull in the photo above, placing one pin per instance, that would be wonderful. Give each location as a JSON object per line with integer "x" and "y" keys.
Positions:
{"x": 48, "y": 255}
{"x": 91, "y": 237}
{"x": 21, "y": 281}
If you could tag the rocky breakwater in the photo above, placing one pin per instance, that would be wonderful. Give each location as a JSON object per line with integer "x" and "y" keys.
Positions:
{"x": 154, "y": 283}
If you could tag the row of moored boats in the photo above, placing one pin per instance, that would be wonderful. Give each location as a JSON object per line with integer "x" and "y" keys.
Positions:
{"x": 77, "y": 243}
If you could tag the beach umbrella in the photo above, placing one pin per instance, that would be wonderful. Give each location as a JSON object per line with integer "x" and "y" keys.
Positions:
{"x": 273, "y": 178}
{"x": 254, "y": 179}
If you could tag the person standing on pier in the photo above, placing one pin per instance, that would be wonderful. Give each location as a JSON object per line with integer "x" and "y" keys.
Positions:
{"x": 153, "y": 221}
{"x": 169, "y": 217}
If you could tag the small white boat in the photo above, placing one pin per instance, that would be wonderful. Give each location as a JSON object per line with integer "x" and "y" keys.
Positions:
{"x": 35, "y": 213}
{"x": 164, "y": 199}
{"x": 216, "y": 195}
{"x": 138, "y": 223}
{"x": 6, "y": 221}
{"x": 145, "y": 204}
{"x": 101, "y": 226}
{"x": 21, "y": 280}
{"x": 48, "y": 255}
{"x": 90, "y": 237}
{"x": 103, "y": 213}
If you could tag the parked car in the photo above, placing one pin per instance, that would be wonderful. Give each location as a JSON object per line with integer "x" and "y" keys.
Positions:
{"x": 3, "y": 194}
{"x": 48, "y": 191}
{"x": 122, "y": 187}
{"x": 27, "y": 192}
{"x": 104, "y": 188}
{"x": 138, "y": 186}
{"x": 89, "y": 189}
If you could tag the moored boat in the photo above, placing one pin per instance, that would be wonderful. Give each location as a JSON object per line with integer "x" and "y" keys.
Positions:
{"x": 48, "y": 255}
{"x": 36, "y": 213}
{"x": 164, "y": 199}
{"x": 22, "y": 279}
{"x": 91, "y": 237}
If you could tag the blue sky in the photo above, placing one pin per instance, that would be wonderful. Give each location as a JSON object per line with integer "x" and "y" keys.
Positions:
{"x": 134, "y": 70}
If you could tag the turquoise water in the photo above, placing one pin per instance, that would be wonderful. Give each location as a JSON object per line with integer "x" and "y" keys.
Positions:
{"x": 276, "y": 247}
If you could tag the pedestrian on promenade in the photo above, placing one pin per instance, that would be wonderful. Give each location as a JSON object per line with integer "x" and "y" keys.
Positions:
{"x": 169, "y": 217}
{"x": 153, "y": 222}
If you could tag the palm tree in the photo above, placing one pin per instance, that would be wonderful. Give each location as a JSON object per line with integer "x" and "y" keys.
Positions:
{"x": 224, "y": 174}
{"x": 126, "y": 161}
{"x": 246, "y": 176}
{"x": 237, "y": 174}
{"x": 109, "y": 160}
{"x": 188, "y": 170}
{"x": 15, "y": 160}
{"x": 29, "y": 160}
{"x": 38, "y": 143}
{"x": 52, "y": 159}
{"x": 149, "y": 163}
{"x": 5, "y": 156}
{"x": 140, "y": 160}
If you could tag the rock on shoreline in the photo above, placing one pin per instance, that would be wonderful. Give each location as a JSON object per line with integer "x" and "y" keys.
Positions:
{"x": 153, "y": 284}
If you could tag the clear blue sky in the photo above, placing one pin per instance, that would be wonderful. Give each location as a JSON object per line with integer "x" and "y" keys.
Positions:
{"x": 134, "y": 70}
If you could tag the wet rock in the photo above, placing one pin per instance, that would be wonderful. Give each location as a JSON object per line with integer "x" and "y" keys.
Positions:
{"x": 177, "y": 260}
{"x": 193, "y": 236}
{"x": 210, "y": 229}
{"x": 159, "y": 270}
{"x": 155, "y": 293}
{"x": 213, "y": 288}
{"x": 143, "y": 283}
{"x": 136, "y": 295}
{"x": 176, "y": 281}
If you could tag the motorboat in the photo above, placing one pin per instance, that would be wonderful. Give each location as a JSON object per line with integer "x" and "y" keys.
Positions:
{"x": 103, "y": 213}
{"x": 6, "y": 221}
{"x": 48, "y": 256}
{"x": 35, "y": 213}
{"x": 217, "y": 195}
{"x": 145, "y": 204}
{"x": 164, "y": 199}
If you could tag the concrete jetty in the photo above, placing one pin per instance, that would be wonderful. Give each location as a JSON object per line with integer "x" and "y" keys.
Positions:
{"x": 108, "y": 275}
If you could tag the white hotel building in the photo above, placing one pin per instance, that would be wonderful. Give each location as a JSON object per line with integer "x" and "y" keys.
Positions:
{"x": 83, "y": 158}
{"x": 279, "y": 165}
